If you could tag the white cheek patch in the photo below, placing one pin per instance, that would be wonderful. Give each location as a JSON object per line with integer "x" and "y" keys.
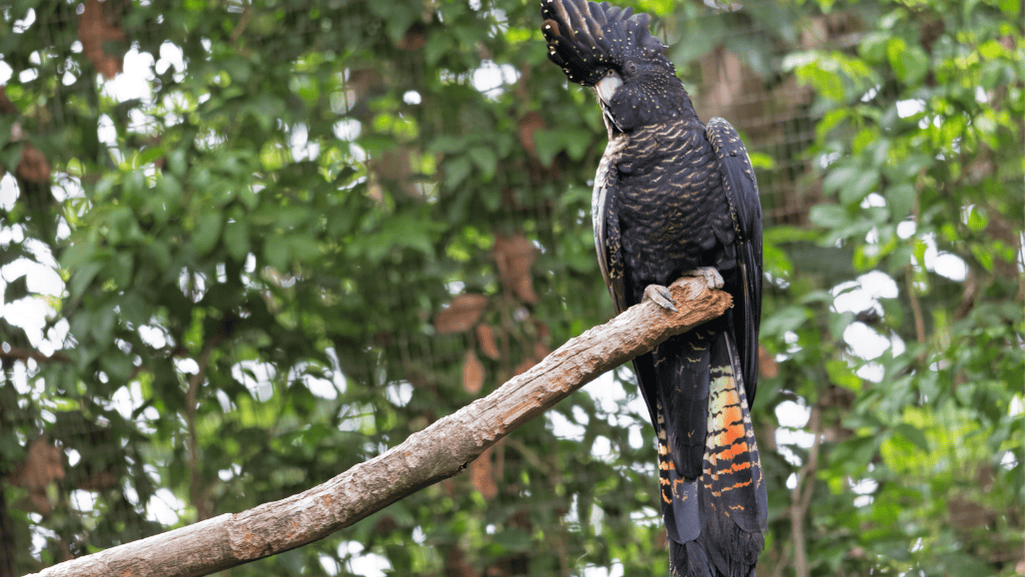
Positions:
{"x": 607, "y": 87}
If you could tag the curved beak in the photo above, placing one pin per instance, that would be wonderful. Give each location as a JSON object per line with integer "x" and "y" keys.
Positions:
{"x": 606, "y": 89}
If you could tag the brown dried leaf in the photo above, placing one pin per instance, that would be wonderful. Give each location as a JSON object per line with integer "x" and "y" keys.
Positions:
{"x": 365, "y": 82}
{"x": 6, "y": 106}
{"x": 767, "y": 364}
{"x": 521, "y": 520}
{"x": 542, "y": 329}
{"x": 965, "y": 514}
{"x": 524, "y": 366}
{"x": 509, "y": 198}
{"x": 661, "y": 539}
{"x": 414, "y": 38}
{"x": 43, "y": 464}
{"x": 514, "y": 256}
{"x": 483, "y": 476}
{"x": 461, "y": 314}
{"x": 486, "y": 341}
{"x": 456, "y": 565}
{"x": 33, "y": 166}
{"x": 391, "y": 167}
{"x": 473, "y": 373}
{"x": 99, "y": 481}
{"x": 540, "y": 352}
{"x": 386, "y": 524}
{"x": 98, "y": 24}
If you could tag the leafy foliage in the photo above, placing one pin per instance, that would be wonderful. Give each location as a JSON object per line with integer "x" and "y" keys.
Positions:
{"x": 289, "y": 235}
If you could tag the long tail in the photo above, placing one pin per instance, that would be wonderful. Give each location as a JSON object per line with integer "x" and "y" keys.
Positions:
{"x": 715, "y": 516}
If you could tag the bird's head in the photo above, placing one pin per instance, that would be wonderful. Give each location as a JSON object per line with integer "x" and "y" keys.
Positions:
{"x": 611, "y": 50}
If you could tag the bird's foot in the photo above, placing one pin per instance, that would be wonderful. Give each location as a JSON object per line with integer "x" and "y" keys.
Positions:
{"x": 708, "y": 277}
{"x": 661, "y": 296}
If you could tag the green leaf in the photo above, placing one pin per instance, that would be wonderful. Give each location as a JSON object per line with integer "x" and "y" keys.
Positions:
{"x": 10, "y": 155}
{"x": 839, "y": 176}
{"x": 829, "y": 215}
{"x": 6, "y": 123}
{"x": 158, "y": 255}
{"x": 911, "y": 64}
{"x": 776, "y": 261}
{"x": 121, "y": 269}
{"x": 236, "y": 240}
{"x": 854, "y": 455}
{"x": 151, "y": 153}
{"x": 873, "y": 46}
{"x": 78, "y": 254}
{"x": 102, "y": 326}
{"x": 547, "y": 143}
{"x": 790, "y": 318}
{"x": 762, "y": 161}
{"x": 827, "y": 83}
{"x": 856, "y": 189}
{"x": 913, "y": 434}
{"x": 117, "y": 366}
{"x": 830, "y": 121}
{"x": 436, "y": 47}
{"x": 177, "y": 162}
{"x": 83, "y": 275}
{"x": 901, "y": 200}
{"x": 841, "y": 375}
{"x": 456, "y": 170}
{"x": 304, "y": 247}
{"x": 275, "y": 250}
{"x": 207, "y": 232}
{"x": 1010, "y": 8}
{"x": 16, "y": 288}
{"x": 448, "y": 144}
{"x": 578, "y": 143}
{"x": 976, "y": 219}
{"x": 838, "y": 323}
{"x": 485, "y": 160}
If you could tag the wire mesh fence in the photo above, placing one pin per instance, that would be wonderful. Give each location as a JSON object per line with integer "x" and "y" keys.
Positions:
{"x": 249, "y": 245}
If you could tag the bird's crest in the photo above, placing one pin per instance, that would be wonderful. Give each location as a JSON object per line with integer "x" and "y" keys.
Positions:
{"x": 586, "y": 38}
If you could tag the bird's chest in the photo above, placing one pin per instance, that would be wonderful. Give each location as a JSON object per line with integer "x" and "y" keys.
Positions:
{"x": 671, "y": 202}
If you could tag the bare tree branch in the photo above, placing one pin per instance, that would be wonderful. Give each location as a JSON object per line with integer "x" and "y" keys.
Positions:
{"x": 24, "y": 354}
{"x": 441, "y": 450}
{"x": 800, "y": 496}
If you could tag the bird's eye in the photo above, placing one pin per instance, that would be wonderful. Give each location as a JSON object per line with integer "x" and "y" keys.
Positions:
{"x": 630, "y": 67}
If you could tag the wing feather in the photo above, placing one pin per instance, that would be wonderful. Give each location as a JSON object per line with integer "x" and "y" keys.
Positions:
{"x": 605, "y": 217}
{"x": 746, "y": 210}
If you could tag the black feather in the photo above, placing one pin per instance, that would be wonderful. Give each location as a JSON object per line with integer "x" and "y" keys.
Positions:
{"x": 672, "y": 196}
{"x": 585, "y": 39}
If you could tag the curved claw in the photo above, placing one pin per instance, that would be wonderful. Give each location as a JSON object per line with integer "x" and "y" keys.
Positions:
{"x": 710, "y": 277}
{"x": 661, "y": 296}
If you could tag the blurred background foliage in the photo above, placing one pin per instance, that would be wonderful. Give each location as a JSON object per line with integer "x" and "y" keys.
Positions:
{"x": 246, "y": 246}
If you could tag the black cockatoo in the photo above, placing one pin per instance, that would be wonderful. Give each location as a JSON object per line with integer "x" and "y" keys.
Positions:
{"x": 671, "y": 197}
